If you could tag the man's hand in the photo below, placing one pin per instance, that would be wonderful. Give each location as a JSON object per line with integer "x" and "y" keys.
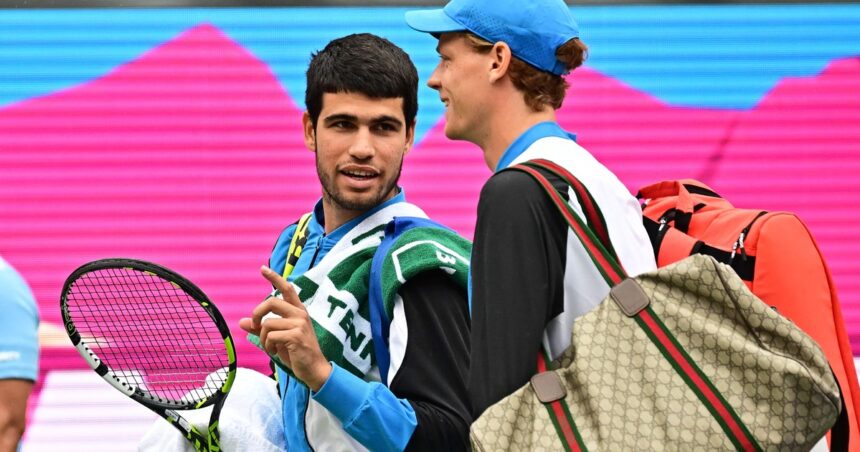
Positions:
{"x": 290, "y": 337}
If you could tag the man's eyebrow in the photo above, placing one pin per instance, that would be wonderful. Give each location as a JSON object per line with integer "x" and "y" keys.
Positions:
{"x": 386, "y": 118}
{"x": 340, "y": 117}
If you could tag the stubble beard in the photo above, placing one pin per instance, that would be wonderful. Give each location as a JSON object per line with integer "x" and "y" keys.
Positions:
{"x": 334, "y": 196}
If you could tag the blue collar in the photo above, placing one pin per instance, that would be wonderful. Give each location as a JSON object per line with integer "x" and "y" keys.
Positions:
{"x": 535, "y": 132}
{"x": 333, "y": 237}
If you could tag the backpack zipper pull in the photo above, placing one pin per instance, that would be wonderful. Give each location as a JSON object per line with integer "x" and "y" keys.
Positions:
{"x": 740, "y": 242}
{"x": 663, "y": 222}
{"x": 739, "y": 245}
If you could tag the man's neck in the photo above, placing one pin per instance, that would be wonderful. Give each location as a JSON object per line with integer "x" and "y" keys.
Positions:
{"x": 336, "y": 216}
{"x": 507, "y": 125}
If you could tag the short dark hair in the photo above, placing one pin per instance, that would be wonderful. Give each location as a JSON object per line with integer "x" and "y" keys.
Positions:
{"x": 366, "y": 64}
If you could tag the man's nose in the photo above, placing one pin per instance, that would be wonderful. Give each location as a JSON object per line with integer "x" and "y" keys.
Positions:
{"x": 362, "y": 147}
{"x": 434, "y": 81}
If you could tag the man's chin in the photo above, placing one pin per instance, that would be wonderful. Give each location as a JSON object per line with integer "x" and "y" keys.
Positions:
{"x": 454, "y": 133}
{"x": 360, "y": 202}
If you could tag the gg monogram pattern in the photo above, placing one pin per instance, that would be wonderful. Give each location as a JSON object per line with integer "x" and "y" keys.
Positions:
{"x": 623, "y": 394}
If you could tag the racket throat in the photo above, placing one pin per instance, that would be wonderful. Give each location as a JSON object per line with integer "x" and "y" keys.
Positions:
{"x": 200, "y": 442}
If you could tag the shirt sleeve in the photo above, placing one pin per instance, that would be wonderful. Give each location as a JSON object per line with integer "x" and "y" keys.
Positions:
{"x": 19, "y": 343}
{"x": 518, "y": 262}
{"x": 426, "y": 406}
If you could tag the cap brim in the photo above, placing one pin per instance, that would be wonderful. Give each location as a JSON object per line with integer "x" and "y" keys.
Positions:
{"x": 433, "y": 21}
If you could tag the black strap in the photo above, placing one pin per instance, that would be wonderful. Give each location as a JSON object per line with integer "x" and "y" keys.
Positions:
{"x": 655, "y": 233}
{"x": 679, "y": 219}
{"x": 695, "y": 189}
{"x": 682, "y": 221}
{"x": 840, "y": 432}
{"x": 744, "y": 267}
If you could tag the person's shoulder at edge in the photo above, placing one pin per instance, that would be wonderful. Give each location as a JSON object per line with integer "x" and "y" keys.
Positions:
{"x": 510, "y": 186}
{"x": 16, "y": 290}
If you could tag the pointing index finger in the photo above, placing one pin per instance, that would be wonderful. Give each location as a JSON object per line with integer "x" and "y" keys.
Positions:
{"x": 288, "y": 293}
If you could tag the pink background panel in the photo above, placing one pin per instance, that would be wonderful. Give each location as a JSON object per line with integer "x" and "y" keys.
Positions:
{"x": 192, "y": 157}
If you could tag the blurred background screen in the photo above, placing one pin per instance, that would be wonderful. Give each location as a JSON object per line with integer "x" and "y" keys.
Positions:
{"x": 174, "y": 135}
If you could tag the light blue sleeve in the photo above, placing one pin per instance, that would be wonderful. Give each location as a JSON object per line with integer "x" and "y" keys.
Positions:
{"x": 369, "y": 411}
{"x": 19, "y": 343}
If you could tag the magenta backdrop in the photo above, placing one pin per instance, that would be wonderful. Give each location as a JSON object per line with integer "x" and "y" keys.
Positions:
{"x": 191, "y": 156}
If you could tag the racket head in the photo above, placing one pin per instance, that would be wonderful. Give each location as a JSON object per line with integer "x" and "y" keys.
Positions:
{"x": 149, "y": 332}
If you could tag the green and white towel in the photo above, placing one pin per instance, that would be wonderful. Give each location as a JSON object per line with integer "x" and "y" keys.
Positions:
{"x": 335, "y": 291}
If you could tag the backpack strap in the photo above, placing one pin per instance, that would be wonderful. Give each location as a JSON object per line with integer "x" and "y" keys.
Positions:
{"x": 380, "y": 324}
{"x": 297, "y": 243}
{"x": 300, "y": 237}
{"x": 622, "y": 291}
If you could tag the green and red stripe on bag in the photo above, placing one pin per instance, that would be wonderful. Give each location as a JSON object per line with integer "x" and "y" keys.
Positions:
{"x": 681, "y": 358}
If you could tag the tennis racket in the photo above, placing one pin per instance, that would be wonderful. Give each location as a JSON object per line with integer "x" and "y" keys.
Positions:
{"x": 155, "y": 337}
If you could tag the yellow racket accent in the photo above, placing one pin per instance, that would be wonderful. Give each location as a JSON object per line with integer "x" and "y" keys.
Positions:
{"x": 231, "y": 353}
{"x": 296, "y": 244}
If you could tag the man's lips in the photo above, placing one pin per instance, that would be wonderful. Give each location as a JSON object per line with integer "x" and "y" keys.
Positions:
{"x": 359, "y": 175}
{"x": 359, "y": 171}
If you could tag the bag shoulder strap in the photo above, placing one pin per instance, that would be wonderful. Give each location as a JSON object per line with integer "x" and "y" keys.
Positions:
{"x": 593, "y": 215}
{"x": 605, "y": 261}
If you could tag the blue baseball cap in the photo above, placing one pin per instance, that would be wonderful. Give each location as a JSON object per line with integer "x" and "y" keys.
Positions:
{"x": 534, "y": 29}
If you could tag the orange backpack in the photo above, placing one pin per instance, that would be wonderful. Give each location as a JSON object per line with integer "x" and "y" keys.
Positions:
{"x": 773, "y": 252}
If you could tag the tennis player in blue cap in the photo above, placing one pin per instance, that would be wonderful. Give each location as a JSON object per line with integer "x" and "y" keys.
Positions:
{"x": 501, "y": 78}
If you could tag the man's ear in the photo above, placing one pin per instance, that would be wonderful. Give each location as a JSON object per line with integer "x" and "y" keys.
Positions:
{"x": 501, "y": 61}
{"x": 310, "y": 133}
{"x": 410, "y": 137}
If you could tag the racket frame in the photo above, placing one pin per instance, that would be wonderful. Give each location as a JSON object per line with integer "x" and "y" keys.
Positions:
{"x": 209, "y": 441}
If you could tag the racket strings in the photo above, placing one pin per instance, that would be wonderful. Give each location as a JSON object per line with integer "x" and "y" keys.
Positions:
{"x": 149, "y": 332}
